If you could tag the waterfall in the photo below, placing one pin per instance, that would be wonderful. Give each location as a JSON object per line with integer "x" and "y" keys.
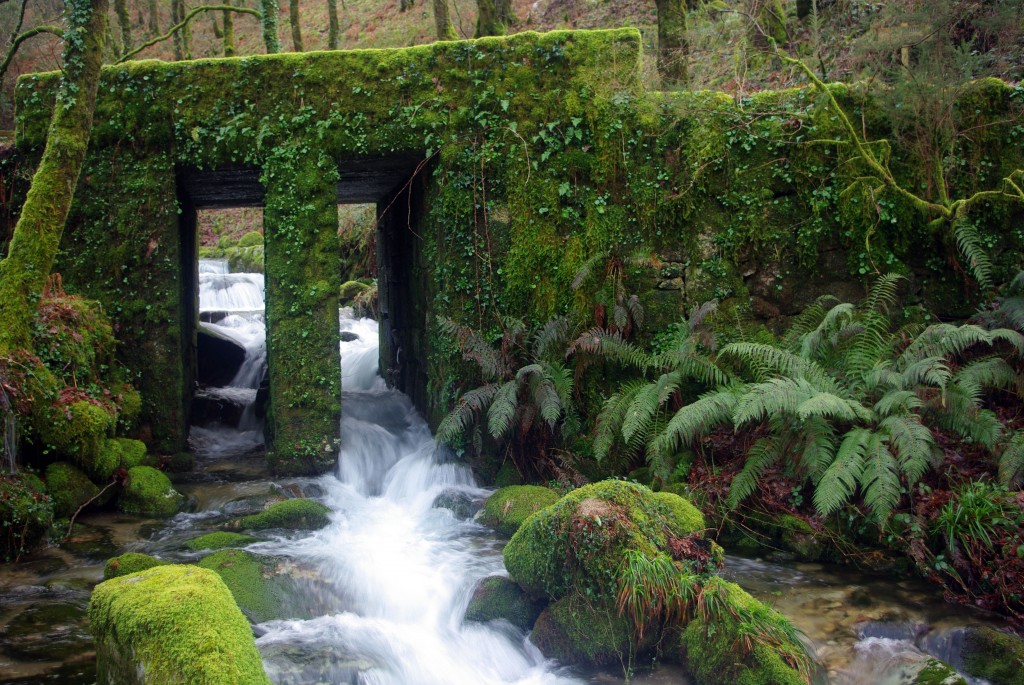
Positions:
{"x": 231, "y": 306}
{"x": 406, "y": 569}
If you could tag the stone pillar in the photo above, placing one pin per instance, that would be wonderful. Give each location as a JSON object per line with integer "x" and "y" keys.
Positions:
{"x": 303, "y": 277}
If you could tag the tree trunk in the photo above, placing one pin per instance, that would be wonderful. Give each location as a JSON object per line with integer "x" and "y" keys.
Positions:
{"x": 506, "y": 17}
{"x": 673, "y": 49}
{"x": 179, "y": 51}
{"x": 269, "y": 9}
{"x": 186, "y": 30}
{"x": 154, "y": 22}
{"x": 333, "y": 28}
{"x": 37, "y": 234}
{"x": 296, "y": 21}
{"x": 487, "y": 23}
{"x": 443, "y": 22}
{"x": 125, "y": 22}
{"x": 229, "y": 31}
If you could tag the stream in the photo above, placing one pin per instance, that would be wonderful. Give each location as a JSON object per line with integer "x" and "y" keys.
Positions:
{"x": 386, "y": 583}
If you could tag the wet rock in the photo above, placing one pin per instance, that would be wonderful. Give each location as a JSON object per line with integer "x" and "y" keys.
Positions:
{"x": 253, "y": 504}
{"x": 131, "y": 562}
{"x": 219, "y": 540}
{"x": 935, "y": 672}
{"x": 294, "y": 514}
{"x": 498, "y": 597}
{"x": 981, "y": 652}
{"x": 219, "y": 358}
{"x": 148, "y": 492}
{"x": 92, "y": 543}
{"x": 53, "y": 631}
{"x": 575, "y": 631}
{"x": 907, "y": 631}
{"x": 507, "y": 508}
{"x": 300, "y": 664}
{"x": 348, "y": 336}
{"x": 175, "y": 624}
{"x": 459, "y": 503}
{"x": 69, "y": 488}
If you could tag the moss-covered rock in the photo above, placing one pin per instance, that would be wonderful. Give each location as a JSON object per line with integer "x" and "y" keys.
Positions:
{"x": 219, "y": 540}
{"x": 577, "y": 631}
{"x": 995, "y": 656}
{"x": 580, "y": 541}
{"x": 130, "y": 453}
{"x": 78, "y": 430}
{"x": 296, "y": 514}
{"x": 70, "y": 488}
{"x": 251, "y": 239}
{"x": 148, "y": 492}
{"x": 498, "y": 597}
{"x": 128, "y": 563}
{"x": 507, "y": 508}
{"x": 935, "y": 672}
{"x": 172, "y": 624}
{"x": 26, "y": 513}
{"x": 252, "y": 582}
{"x": 350, "y": 289}
{"x": 712, "y": 643}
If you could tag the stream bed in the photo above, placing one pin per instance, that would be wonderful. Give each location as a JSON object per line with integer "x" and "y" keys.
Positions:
{"x": 385, "y": 585}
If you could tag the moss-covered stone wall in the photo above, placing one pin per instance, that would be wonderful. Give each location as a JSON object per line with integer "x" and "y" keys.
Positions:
{"x": 541, "y": 152}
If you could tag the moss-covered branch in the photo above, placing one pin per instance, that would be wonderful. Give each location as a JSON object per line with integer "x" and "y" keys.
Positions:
{"x": 181, "y": 25}
{"x": 21, "y": 38}
{"x": 38, "y": 231}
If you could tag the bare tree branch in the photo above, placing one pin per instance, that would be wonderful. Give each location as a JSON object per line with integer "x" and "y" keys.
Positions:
{"x": 184, "y": 23}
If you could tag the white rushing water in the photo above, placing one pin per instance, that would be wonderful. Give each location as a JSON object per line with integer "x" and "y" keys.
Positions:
{"x": 406, "y": 569}
{"x": 237, "y": 301}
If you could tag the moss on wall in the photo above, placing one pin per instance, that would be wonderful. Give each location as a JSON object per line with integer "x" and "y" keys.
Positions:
{"x": 543, "y": 151}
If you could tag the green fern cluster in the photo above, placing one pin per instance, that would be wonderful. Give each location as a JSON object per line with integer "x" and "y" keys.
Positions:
{"x": 527, "y": 392}
{"x": 848, "y": 403}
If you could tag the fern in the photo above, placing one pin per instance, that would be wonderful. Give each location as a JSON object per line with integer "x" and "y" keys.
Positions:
{"x": 698, "y": 418}
{"x": 839, "y": 480}
{"x": 468, "y": 407}
{"x": 762, "y": 454}
{"x": 912, "y": 442}
{"x": 880, "y": 477}
{"x": 502, "y": 410}
{"x": 819, "y": 447}
{"x": 970, "y": 244}
{"x": 1011, "y": 461}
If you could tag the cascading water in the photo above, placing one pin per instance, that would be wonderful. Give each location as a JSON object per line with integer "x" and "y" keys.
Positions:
{"x": 405, "y": 568}
{"x": 231, "y": 307}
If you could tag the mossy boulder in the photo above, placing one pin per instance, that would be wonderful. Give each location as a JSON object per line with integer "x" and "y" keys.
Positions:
{"x": 77, "y": 430}
{"x": 579, "y": 542}
{"x": 172, "y": 624}
{"x": 711, "y": 643}
{"x": 70, "y": 488}
{"x": 130, "y": 453}
{"x": 993, "y": 655}
{"x": 350, "y": 289}
{"x": 498, "y": 597}
{"x": 26, "y": 513}
{"x": 251, "y": 239}
{"x": 935, "y": 672}
{"x": 295, "y": 514}
{"x": 574, "y": 630}
{"x": 253, "y": 582}
{"x": 219, "y": 540}
{"x": 507, "y": 508}
{"x": 148, "y": 492}
{"x": 129, "y": 563}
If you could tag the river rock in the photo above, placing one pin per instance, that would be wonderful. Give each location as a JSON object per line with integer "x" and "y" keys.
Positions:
{"x": 294, "y": 514}
{"x": 172, "y": 624}
{"x": 129, "y": 563}
{"x": 70, "y": 488}
{"x": 981, "y": 652}
{"x": 498, "y": 597}
{"x": 148, "y": 492}
{"x": 459, "y": 503}
{"x": 508, "y": 507}
{"x": 300, "y": 664}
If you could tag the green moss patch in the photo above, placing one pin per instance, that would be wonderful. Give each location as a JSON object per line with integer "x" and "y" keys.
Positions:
{"x": 576, "y": 631}
{"x": 507, "y": 508}
{"x": 295, "y": 514}
{"x": 70, "y": 487}
{"x": 174, "y": 624}
{"x": 935, "y": 672}
{"x": 25, "y": 516}
{"x": 995, "y": 656}
{"x": 149, "y": 492}
{"x": 251, "y": 581}
{"x": 219, "y": 540}
{"x": 128, "y": 563}
{"x": 498, "y": 597}
{"x": 129, "y": 453}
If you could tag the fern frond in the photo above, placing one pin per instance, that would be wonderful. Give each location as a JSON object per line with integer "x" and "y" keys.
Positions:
{"x": 646, "y": 404}
{"x": 826, "y": 331}
{"x": 699, "y": 313}
{"x": 635, "y": 310}
{"x": 912, "y": 442}
{"x": 468, "y": 407}
{"x": 880, "y": 478}
{"x": 898, "y": 402}
{"x": 765, "y": 360}
{"x": 703, "y": 370}
{"x": 611, "y": 346}
{"x": 502, "y": 411}
{"x": 959, "y": 411}
{"x": 928, "y": 371}
{"x": 818, "y": 447}
{"x": 990, "y": 372}
{"x": 832, "y": 407}
{"x": 698, "y": 418}
{"x": 971, "y": 246}
{"x": 609, "y": 420}
{"x": 770, "y": 398}
{"x": 762, "y": 454}
{"x": 584, "y": 272}
{"x": 882, "y": 295}
{"x": 1011, "y": 461}
{"x": 550, "y": 337}
{"x": 839, "y": 481}
{"x": 806, "y": 321}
